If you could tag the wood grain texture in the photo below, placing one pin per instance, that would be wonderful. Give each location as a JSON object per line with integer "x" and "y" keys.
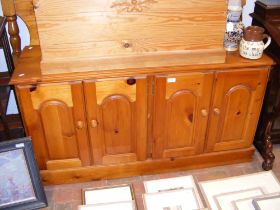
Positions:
{"x": 100, "y": 127}
{"x": 25, "y": 10}
{"x": 29, "y": 72}
{"x": 44, "y": 93}
{"x": 162, "y": 29}
{"x": 145, "y": 167}
{"x": 8, "y": 7}
{"x": 32, "y": 127}
{"x": 238, "y": 97}
{"x": 120, "y": 158}
{"x": 184, "y": 105}
{"x": 14, "y": 36}
{"x": 119, "y": 131}
{"x": 150, "y": 113}
{"x": 179, "y": 126}
{"x": 54, "y": 125}
{"x": 63, "y": 164}
{"x": 91, "y": 111}
{"x": 195, "y": 80}
{"x": 105, "y": 88}
{"x": 117, "y": 114}
{"x": 79, "y": 115}
{"x": 56, "y": 118}
{"x": 47, "y": 7}
{"x": 144, "y": 61}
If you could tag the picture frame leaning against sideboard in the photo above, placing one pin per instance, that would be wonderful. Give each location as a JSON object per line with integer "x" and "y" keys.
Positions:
{"x": 20, "y": 182}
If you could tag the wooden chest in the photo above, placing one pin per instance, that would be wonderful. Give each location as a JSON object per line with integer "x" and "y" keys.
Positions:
{"x": 86, "y": 35}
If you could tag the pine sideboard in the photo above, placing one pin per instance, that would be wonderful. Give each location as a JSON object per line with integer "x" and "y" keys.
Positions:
{"x": 118, "y": 88}
{"x": 124, "y": 122}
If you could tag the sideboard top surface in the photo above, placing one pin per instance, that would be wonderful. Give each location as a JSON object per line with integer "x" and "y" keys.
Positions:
{"x": 28, "y": 69}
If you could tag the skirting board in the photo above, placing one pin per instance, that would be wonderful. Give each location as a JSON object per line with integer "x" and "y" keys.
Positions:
{"x": 140, "y": 168}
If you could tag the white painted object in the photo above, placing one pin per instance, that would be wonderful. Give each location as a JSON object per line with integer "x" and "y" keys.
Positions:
{"x": 108, "y": 195}
{"x": 184, "y": 199}
{"x": 253, "y": 50}
{"x": 264, "y": 180}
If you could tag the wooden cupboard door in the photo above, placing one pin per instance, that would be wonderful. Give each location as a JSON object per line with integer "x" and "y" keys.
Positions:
{"x": 180, "y": 114}
{"x": 235, "y": 109}
{"x": 117, "y": 119}
{"x": 54, "y": 116}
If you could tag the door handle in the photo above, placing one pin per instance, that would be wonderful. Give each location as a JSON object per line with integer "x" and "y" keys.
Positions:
{"x": 217, "y": 111}
{"x": 93, "y": 123}
{"x": 204, "y": 113}
{"x": 80, "y": 124}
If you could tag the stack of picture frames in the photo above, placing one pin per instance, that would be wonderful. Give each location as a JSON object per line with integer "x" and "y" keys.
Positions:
{"x": 108, "y": 198}
{"x": 271, "y": 202}
{"x": 179, "y": 193}
{"x": 258, "y": 191}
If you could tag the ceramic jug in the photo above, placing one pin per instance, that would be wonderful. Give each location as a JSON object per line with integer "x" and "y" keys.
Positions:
{"x": 252, "y": 45}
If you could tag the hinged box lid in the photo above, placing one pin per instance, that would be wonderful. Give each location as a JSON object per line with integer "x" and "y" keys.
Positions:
{"x": 86, "y": 35}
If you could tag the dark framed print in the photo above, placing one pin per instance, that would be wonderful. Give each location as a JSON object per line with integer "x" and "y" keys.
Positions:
{"x": 20, "y": 182}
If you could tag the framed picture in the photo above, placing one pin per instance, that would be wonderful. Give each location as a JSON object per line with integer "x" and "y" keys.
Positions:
{"x": 175, "y": 183}
{"x": 225, "y": 201}
{"x": 184, "y": 199}
{"x": 265, "y": 180}
{"x": 126, "y": 205}
{"x": 245, "y": 203}
{"x": 109, "y": 194}
{"x": 267, "y": 203}
{"x": 20, "y": 183}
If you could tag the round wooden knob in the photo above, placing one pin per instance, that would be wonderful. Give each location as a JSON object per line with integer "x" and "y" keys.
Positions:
{"x": 131, "y": 81}
{"x": 93, "y": 123}
{"x": 217, "y": 111}
{"x": 204, "y": 113}
{"x": 80, "y": 124}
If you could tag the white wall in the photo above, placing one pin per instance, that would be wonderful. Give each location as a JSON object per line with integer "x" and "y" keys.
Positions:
{"x": 25, "y": 40}
{"x": 247, "y": 9}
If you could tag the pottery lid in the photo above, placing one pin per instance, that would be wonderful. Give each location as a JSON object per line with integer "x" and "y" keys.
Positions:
{"x": 253, "y": 34}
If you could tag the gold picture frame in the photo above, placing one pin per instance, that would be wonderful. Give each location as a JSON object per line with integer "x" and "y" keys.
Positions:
{"x": 127, "y": 205}
{"x": 121, "y": 193}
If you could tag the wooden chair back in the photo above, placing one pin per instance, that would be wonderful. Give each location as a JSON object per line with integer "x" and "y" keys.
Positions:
{"x": 23, "y": 9}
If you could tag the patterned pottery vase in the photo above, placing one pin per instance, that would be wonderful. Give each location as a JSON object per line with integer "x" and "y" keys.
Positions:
{"x": 233, "y": 36}
{"x": 252, "y": 45}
